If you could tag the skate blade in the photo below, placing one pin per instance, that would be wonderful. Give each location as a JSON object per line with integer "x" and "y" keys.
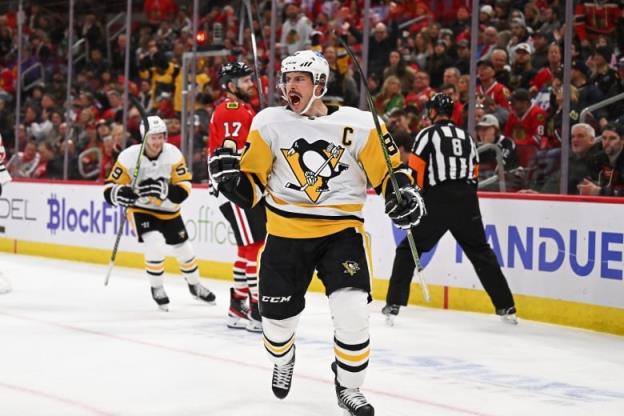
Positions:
{"x": 237, "y": 323}
{"x": 510, "y": 319}
{"x": 164, "y": 308}
{"x": 209, "y": 302}
{"x": 255, "y": 327}
{"x": 389, "y": 320}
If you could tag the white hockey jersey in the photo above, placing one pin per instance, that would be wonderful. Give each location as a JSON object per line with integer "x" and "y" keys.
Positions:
{"x": 4, "y": 175}
{"x": 169, "y": 164}
{"x": 315, "y": 171}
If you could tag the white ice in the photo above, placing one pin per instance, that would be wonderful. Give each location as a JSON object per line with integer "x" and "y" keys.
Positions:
{"x": 70, "y": 346}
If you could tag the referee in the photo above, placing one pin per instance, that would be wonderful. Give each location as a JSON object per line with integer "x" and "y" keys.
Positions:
{"x": 445, "y": 161}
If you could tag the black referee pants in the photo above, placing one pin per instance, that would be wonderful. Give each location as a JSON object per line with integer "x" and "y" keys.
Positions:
{"x": 451, "y": 206}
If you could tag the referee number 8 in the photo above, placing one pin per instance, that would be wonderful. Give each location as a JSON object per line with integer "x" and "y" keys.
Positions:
{"x": 457, "y": 147}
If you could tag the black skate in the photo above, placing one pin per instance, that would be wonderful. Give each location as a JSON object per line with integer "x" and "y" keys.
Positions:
{"x": 508, "y": 315}
{"x": 352, "y": 400}
{"x": 160, "y": 297}
{"x": 390, "y": 312}
{"x": 238, "y": 314}
{"x": 255, "y": 320}
{"x": 282, "y": 378}
{"x": 201, "y": 293}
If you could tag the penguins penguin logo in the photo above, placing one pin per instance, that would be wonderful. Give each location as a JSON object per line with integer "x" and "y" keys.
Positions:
{"x": 314, "y": 164}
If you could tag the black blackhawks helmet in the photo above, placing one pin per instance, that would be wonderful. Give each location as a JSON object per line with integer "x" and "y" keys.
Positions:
{"x": 442, "y": 103}
{"x": 232, "y": 71}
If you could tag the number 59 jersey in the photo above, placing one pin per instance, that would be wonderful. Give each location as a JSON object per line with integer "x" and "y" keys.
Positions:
{"x": 314, "y": 171}
{"x": 169, "y": 164}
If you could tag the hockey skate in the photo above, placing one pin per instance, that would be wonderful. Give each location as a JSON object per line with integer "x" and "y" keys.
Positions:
{"x": 254, "y": 319}
{"x": 352, "y": 400}
{"x": 160, "y": 297}
{"x": 508, "y": 315}
{"x": 238, "y": 314}
{"x": 390, "y": 312}
{"x": 201, "y": 293}
{"x": 282, "y": 378}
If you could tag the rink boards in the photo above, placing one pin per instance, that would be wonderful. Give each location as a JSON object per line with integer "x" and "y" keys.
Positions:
{"x": 563, "y": 256}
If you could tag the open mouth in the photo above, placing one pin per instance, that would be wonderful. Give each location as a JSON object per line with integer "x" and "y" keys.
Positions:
{"x": 294, "y": 98}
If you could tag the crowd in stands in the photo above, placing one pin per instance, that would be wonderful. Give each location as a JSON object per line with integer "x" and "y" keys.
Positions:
{"x": 416, "y": 49}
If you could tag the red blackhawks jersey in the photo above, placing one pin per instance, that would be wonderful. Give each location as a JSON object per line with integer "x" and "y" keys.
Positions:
{"x": 499, "y": 93}
{"x": 527, "y": 132}
{"x": 593, "y": 18}
{"x": 231, "y": 119}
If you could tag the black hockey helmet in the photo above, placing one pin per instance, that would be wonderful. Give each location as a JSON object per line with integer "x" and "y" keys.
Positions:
{"x": 442, "y": 103}
{"x": 231, "y": 71}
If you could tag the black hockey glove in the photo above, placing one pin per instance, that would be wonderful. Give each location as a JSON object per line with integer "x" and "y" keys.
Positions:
{"x": 408, "y": 213}
{"x": 224, "y": 165}
{"x": 123, "y": 195}
{"x": 157, "y": 188}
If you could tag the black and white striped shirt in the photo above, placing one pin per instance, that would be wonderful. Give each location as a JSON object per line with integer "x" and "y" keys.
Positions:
{"x": 444, "y": 152}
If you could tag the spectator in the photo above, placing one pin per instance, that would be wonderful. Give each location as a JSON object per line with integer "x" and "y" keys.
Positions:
{"x": 541, "y": 41}
{"x": 381, "y": 43}
{"x": 554, "y": 118}
{"x": 421, "y": 91}
{"x": 340, "y": 82}
{"x": 463, "y": 56}
{"x": 488, "y": 132}
{"x": 50, "y": 162}
{"x": 490, "y": 35}
{"x": 588, "y": 94}
{"x": 584, "y": 160}
{"x": 23, "y": 164}
{"x": 594, "y": 18}
{"x": 488, "y": 86}
{"x": 617, "y": 109}
{"x": 458, "y": 108}
{"x": 500, "y": 61}
{"x": 438, "y": 62}
{"x": 390, "y": 97}
{"x": 603, "y": 76}
{"x": 398, "y": 67}
{"x": 451, "y": 77}
{"x": 296, "y": 31}
{"x": 545, "y": 75}
{"x": 422, "y": 49}
{"x": 525, "y": 126}
{"x": 522, "y": 71}
{"x": 611, "y": 174}
{"x": 550, "y": 24}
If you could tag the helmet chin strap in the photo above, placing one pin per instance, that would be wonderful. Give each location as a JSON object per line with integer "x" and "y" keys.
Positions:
{"x": 307, "y": 107}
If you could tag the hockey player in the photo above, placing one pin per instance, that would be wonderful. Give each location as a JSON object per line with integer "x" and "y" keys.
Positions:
{"x": 231, "y": 119}
{"x": 312, "y": 163}
{"x": 154, "y": 207}
{"x": 5, "y": 285}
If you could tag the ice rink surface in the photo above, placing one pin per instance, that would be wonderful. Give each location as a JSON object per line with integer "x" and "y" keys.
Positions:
{"x": 70, "y": 346}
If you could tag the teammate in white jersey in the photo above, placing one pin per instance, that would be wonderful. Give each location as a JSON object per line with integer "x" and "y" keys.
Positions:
{"x": 154, "y": 207}
{"x": 5, "y": 285}
{"x": 312, "y": 163}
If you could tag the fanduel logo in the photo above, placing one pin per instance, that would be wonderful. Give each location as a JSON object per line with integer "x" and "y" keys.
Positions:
{"x": 97, "y": 218}
{"x": 547, "y": 250}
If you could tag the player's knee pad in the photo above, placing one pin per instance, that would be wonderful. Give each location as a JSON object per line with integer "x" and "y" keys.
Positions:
{"x": 154, "y": 246}
{"x": 350, "y": 314}
{"x": 279, "y": 338}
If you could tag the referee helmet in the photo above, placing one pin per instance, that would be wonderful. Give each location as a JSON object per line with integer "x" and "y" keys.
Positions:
{"x": 442, "y": 103}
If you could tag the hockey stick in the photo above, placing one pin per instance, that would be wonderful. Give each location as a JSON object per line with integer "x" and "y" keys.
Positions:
{"x": 254, "y": 49}
{"x": 316, "y": 174}
{"x": 135, "y": 176}
{"x": 393, "y": 181}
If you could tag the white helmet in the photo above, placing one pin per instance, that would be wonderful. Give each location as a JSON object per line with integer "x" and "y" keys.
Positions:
{"x": 311, "y": 62}
{"x": 156, "y": 126}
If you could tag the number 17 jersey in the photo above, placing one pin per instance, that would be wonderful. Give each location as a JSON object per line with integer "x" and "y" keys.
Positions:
{"x": 230, "y": 119}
